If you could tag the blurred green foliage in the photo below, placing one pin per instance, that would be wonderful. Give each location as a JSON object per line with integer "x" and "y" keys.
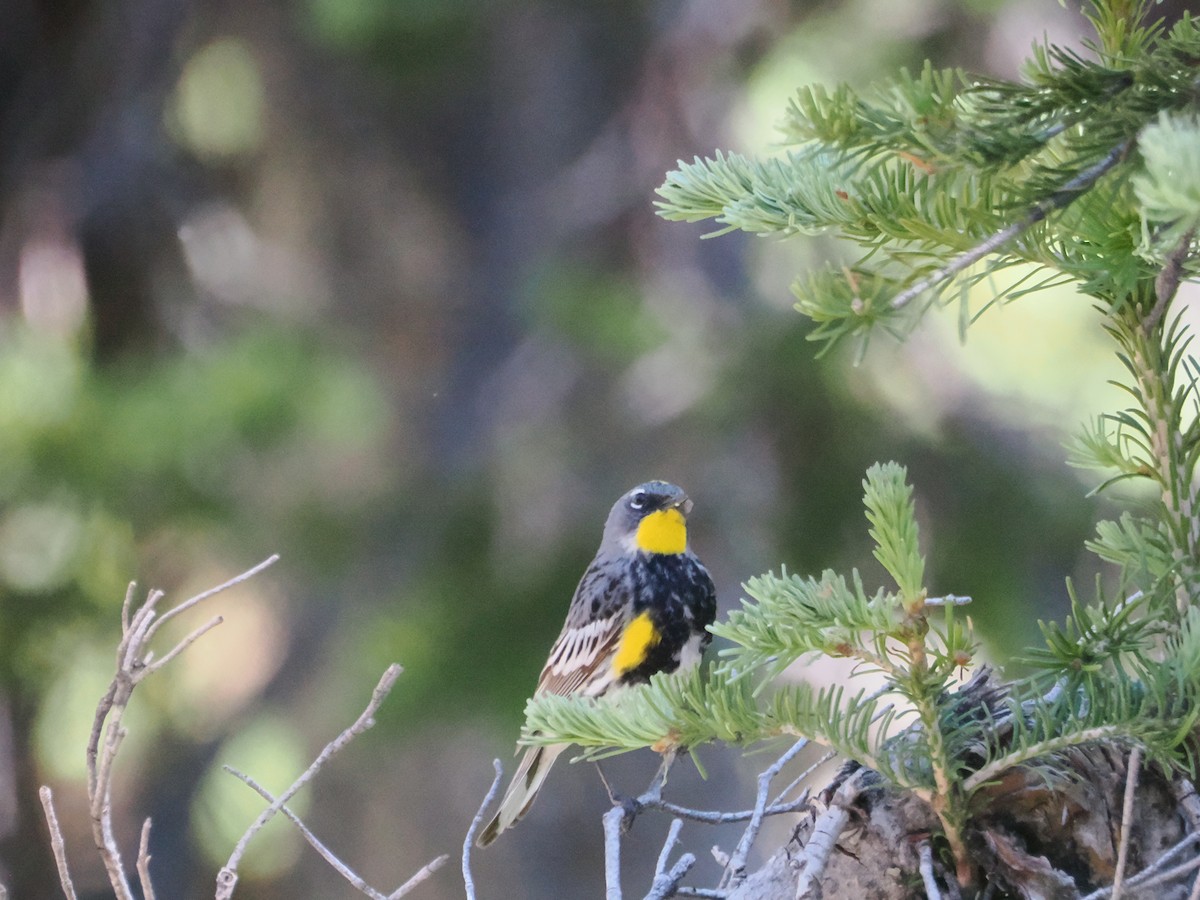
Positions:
{"x": 98, "y": 457}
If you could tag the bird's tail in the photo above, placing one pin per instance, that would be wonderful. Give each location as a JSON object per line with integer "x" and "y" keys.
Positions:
{"x": 522, "y": 790}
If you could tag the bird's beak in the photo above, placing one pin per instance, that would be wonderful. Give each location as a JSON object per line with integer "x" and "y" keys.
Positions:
{"x": 684, "y": 505}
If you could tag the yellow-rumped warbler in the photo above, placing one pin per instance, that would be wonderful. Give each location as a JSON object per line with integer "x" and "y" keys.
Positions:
{"x": 643, "y": 606}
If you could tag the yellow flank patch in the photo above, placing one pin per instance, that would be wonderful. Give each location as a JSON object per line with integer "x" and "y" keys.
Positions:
{"x": 663, "y": 531}
{"x": 639, "y": 636}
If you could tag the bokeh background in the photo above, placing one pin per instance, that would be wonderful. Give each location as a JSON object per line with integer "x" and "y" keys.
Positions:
{"x": 378, "y": 285}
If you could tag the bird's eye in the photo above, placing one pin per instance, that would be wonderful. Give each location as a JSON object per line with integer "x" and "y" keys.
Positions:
{"x": 638, "y": 500}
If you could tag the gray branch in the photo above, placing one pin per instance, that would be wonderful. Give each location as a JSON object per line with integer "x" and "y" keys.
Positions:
{"x": 227, "y": 877}
{"x": 352, "y": 877}
{"x": 469, "y": 841}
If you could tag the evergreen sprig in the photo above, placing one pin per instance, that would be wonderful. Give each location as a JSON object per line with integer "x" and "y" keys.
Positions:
{"x": 1168, "y": 187}
{"x": 1096, "y": 640}
{"x": 1156, "y": 715}
{"x": 889, "y": 501}
{"x": 687, "y": 709}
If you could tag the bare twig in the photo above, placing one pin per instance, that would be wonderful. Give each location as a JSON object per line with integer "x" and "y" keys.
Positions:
{"x": 613, "y": 820}
{"x": 800, "y": 779}
{"x": 342, "y": 869}
{"x": 932, "y": 891}
{"x": 476, "y": 822}
{"x": 826, "y": 831}
{"x": 354, "y": 879}
{"x": 713, "y": 817}
{"x": 617, "y": 820}
{"x": 1189, "y": 802}
{"x": 127, "y": 605}
{"x": 133, "y": 663}
{"x": 211, "y": 592}
{"x": 948, "y": 600}
{"x": 664, "y": 855}
{"x": 57, "y": 844}
{"x": 419, "y": 876}
{"x": 667, "y": 884}
{"x": 100, "y": 765}
{"x": 1060, "y": 199}
{"x": 735, "y": 871}
{"x": 194, "y": 636}
{"x": 1131, "y": 779}
{"x": 227, "y": 877}
{"x": 143, "y": 862}
{"x": 1160, "y": 864}
{"x": 1158, "y": 872}
{"x": 1157, "y": 877}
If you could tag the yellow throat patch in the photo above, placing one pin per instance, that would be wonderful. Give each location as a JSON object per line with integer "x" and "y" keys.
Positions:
{"x": 663, "y": 531}
{"x": 637, "y": 639}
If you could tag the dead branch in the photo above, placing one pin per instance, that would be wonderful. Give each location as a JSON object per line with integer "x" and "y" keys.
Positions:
{"x": 227, "y": 877}
{"x": 135, "y": 661}
{"x": 667, "y": 883}
{"x": 421, "y": 875}
{"x": 56, "y": 843}
{"x": 828, "y": 829}
{"x": 619, "y": 818}
{"x": 476, "y": 823}
{"x": 928, "y": 876}
{"x": 143, "y": 863}
{"x": 1131, "y": 777}
{"x": 352, "y": 877}
{"x": 612, "y": 852}
{"x": 735, "y": 870}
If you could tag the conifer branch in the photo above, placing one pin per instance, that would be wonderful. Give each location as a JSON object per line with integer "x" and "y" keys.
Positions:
{"x": 929, "y": 174}
{"x": 1070, "y": 191}
{"x": 1163, "y": 449}
{"x": 1046, "y": 747}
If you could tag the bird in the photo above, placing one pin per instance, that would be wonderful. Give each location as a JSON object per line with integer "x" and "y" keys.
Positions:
{"x": 643, "y": 606}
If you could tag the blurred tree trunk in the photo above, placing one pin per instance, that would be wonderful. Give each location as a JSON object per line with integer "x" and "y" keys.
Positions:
{"x": 25, "y": 843}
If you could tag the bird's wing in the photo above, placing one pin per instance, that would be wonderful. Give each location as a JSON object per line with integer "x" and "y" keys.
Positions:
{"x": 581, "y": 659}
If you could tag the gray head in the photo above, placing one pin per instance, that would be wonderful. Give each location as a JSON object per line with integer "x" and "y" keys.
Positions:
{"x": 651, "y": 517}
